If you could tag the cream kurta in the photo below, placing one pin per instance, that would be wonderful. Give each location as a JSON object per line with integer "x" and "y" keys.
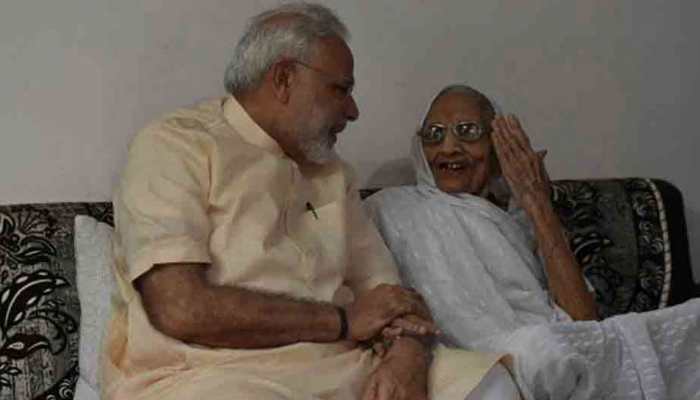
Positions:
{"x": 208, "y": 185}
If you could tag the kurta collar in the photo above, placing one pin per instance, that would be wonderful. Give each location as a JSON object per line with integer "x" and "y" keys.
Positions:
{"x": 245, "y": 126}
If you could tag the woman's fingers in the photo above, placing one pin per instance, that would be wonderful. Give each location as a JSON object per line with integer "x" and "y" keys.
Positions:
{"x": 508, "y": 136}
{"x": 513, "y": 143}
{"x": 514, "y": 123}
{"x": 513, "y": 134}
{"x": 392, "y": 332}
{"x": 497, "y": 137}
{"x": 504, "y": 148}
{"x": 517, "y": 134}
{"x": 414, "y": 325}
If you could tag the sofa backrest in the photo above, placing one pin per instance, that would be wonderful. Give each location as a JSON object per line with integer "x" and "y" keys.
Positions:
{"x": 629, "y": 236}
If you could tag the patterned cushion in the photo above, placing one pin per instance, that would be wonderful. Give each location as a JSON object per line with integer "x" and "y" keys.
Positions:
{"x": 39, "y": 308}
{"x": 627, "y": 234}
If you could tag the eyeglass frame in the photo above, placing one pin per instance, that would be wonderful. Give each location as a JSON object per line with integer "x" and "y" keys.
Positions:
{"x": 482, "y": 131}
{"x": 346, "y": 85}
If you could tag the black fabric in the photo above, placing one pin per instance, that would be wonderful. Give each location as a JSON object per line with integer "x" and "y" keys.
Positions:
{"x": 682, "y": 285}
{"x": 39, "y": 307}
{"x": 604, "y": 220}
{"x": 629, "y": 237}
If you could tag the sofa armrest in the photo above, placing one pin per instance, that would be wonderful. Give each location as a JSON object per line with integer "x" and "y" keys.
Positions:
{"x": 683, "y": 286}
{"x": 630, "y": 237}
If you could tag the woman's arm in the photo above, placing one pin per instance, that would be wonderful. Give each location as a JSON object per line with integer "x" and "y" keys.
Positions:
{"x": 565, "y": 280}
{"x": 524, "y": 171}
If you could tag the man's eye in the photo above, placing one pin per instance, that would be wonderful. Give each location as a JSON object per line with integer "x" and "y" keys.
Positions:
{"x": 343, "y": 90}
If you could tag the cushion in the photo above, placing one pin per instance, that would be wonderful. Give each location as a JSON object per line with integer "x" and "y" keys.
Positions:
{"x": 622, "y": 233}
{"x": 96, "y": 286}
{"x": 39, "y": 309}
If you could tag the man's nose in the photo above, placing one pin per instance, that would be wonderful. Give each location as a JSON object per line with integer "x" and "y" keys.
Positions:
{"x": 352, "y": 113}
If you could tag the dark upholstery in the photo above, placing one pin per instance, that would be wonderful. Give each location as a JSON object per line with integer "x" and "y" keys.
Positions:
{"x": 629, "y": 237}
{"x": 626, "y": 233}
{"x": 39, "y": 307}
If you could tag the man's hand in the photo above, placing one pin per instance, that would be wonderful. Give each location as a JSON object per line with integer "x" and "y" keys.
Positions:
{"x": 376, "y": 309}
{"x": 402, "y": 375}
{"x": 522, "y": 167}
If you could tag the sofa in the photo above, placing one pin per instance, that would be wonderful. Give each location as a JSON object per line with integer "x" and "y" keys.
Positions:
{"x": 628, "y": 234}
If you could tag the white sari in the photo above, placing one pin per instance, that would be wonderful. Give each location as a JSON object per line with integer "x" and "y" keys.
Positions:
{"x": 475, "y": 265}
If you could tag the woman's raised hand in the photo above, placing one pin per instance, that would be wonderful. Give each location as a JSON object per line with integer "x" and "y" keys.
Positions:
{"x": 522, "y": 167}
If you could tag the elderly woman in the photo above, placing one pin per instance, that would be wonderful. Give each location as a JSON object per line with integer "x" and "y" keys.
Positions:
{"x": 478, "y": 238}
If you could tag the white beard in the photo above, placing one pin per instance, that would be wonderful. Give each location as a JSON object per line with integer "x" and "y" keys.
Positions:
{"x": 317, "y": 144}
{"x": 319, "y": 150}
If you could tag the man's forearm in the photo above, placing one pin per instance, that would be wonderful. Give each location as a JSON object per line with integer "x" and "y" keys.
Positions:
{"x": 196, "y": 311}
{"x": 241, "y": 318}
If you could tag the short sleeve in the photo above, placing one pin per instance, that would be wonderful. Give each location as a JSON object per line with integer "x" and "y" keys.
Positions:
{"x": 371, "y": 262}
{"x": 160, "y": 206}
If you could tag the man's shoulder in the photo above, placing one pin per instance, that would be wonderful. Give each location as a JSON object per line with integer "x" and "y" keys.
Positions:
{"x": 200, "y": 117}
{"x": 197, "y": 125}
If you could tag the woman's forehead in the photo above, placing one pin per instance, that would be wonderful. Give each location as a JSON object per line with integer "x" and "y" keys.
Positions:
{"x": 454, "y": 107}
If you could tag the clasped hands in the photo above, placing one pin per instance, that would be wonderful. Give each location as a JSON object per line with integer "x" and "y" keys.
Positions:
{"x": 389, "y": 313}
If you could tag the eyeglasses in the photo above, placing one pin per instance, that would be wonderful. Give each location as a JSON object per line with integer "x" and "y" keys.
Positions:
{"x": 344, "y": 86}
{"x": 464, "y": 131}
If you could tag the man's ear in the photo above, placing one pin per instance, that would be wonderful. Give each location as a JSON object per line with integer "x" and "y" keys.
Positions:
{"x": 282, "y": 74}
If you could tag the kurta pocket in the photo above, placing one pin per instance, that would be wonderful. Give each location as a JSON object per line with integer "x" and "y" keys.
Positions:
{"x": 321, "y": 234}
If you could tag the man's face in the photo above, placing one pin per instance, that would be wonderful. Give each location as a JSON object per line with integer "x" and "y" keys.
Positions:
{"x": 458, "y": 166}
{"x": 323, "y": 102}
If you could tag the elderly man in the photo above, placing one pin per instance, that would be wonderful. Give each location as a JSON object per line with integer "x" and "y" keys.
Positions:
{"x": 246, "y": 267}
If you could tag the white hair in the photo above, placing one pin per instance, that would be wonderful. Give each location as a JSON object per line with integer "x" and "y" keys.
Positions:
{"x": 265, "y": 42}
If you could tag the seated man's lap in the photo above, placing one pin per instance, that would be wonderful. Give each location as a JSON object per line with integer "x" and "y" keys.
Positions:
{"x": 454, "y": 373}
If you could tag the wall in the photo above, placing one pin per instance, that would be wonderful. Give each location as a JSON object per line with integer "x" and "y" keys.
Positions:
{"x": 610, "y": 88}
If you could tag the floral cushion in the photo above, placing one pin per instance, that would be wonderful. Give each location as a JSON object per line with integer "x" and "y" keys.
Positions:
{"x": 39, "y": 308}
{"x": 629, "y": 237}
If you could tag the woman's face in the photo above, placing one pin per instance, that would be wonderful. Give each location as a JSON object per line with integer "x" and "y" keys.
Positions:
{"x": 458, "y": 166}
